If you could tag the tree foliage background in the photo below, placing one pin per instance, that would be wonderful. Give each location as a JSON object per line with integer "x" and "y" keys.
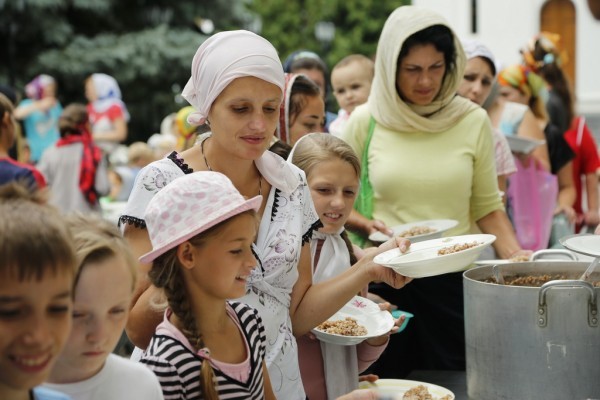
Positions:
{"x": 147, "y": 45}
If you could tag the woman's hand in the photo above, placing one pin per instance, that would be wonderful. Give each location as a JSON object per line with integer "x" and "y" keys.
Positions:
{"x": 376, "y": 225}
{"x": 379, "y": 273}
{"x": 591, "y": 218}
{"x": 521, "y": 255}
{"x": 524, "y": 158}
{"x": 568, "y": 211}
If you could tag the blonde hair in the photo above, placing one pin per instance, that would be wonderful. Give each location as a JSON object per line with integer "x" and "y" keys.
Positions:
{"x": 96, "y": 240}
{"x": 33, "y": 237}
{"x": 316, "y": 148}
{"x": 363, "y": 60}
{"x": 166, "y": 274}
{"x": 140, "y": 152}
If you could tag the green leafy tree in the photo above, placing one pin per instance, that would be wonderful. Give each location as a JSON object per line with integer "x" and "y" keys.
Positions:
{"x": 290, "y": 25}
{"x": 147, "y": 45}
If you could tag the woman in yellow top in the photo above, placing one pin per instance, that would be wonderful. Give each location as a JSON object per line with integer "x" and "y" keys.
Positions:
{"x": 431, "y": 156}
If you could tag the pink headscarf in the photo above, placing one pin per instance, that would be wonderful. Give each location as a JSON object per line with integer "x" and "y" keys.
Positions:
{"x": 35, "y": 89}
{"x": 224, "y": 57}
{"x": 283, "y": 128}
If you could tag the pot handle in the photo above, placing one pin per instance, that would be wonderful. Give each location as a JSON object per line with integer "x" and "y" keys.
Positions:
{"x": 543, "y": 307}
{"x": 554, "y": 254}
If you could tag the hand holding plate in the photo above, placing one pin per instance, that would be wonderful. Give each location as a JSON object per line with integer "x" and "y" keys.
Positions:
{"x": 380, "y": 273}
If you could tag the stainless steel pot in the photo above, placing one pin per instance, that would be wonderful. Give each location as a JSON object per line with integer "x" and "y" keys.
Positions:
{"x": 532, "y": 342}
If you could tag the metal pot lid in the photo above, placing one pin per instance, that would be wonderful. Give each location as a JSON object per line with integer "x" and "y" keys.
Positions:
{"x": 588, "y": 244}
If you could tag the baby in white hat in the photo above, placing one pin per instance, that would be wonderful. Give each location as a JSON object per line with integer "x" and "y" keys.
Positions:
{"x": 202, "y": 230}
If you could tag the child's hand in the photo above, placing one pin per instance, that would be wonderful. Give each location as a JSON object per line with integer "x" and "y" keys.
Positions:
{"x": 379, "y": 273}
{"x": 360, "y": 394}
{"x": 397, "y": 324}
{"x": 368, "y": 378}
{"x": 46, "y": 103}
{"x": 382, "y": 303}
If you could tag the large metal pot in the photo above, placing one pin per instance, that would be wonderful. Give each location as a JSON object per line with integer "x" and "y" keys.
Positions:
{"x": 532, "y": 342}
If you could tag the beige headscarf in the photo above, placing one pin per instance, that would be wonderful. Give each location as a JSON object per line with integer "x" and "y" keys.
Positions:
{"x": 385, "y": 104}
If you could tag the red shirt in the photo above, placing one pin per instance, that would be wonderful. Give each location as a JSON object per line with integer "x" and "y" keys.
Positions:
{"x": 104, "y": 121}
{"x": 586, "y": 159}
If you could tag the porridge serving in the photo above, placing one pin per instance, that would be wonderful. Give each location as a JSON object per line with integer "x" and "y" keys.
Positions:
{"x": 346, "y": 327}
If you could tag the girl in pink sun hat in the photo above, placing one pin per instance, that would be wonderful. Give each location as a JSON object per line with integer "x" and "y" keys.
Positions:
{"x": 222, "y": 341}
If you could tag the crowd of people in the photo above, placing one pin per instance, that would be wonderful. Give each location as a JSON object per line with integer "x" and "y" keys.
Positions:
{"x": 244, "y": 224}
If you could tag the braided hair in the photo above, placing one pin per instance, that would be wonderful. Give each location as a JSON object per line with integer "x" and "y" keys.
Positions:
{"x": 166, "y": 274}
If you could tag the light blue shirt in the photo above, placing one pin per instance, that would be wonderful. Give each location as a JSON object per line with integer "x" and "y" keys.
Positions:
{"x": 41, "y": 129}
{"x": 41, "y": 393}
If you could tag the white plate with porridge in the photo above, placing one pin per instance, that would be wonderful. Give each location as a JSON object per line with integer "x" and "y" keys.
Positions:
{"x": 412, "y": 390}
{"x": 357, "y": 320}
{"x": 437, "y": 256}
{"x": 417, "y": 231}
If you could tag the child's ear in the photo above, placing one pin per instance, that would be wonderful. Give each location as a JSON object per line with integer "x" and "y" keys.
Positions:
{"x": 186, "y": 255}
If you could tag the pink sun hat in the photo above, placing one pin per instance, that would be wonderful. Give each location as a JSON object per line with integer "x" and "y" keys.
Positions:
{"x": 190, "y": 205}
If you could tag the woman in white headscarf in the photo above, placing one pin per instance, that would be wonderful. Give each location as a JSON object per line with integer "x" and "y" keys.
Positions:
{"x": 237, "y": 88}
{"x": 108, "y": 114}
{"x": 430, "y": 156}
{"x": 476, "y": 85}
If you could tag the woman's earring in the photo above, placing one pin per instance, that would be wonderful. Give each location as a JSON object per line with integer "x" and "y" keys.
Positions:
{"x": 207, "y": 122}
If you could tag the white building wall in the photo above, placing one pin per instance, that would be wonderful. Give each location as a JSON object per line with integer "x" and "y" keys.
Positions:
{"x": 506, "y": 25}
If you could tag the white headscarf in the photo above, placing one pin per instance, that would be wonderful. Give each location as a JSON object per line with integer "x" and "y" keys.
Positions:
{"x": 108, "y": 92}
{"x": 224, "y": 57}
{"x": 474, "y": 48}
{"x": 385, "y": 104}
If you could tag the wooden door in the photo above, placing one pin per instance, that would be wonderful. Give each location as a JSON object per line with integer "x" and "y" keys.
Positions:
{"x": 558, "y": 16}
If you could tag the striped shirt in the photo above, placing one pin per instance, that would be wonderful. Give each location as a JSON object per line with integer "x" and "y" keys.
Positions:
{"x": 178, "y": 366}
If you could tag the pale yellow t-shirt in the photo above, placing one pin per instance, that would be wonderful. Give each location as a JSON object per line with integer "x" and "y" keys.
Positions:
{"x": 422, "y": 175}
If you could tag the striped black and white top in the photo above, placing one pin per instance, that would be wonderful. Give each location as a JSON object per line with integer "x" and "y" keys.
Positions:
{"x": 178, "y": 366}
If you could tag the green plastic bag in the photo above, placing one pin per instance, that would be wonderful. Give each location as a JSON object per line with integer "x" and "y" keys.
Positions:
{"x": 364, "y": 201}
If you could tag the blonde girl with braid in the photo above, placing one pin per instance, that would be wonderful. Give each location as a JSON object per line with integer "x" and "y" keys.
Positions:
{"x": 202, "y": 230}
